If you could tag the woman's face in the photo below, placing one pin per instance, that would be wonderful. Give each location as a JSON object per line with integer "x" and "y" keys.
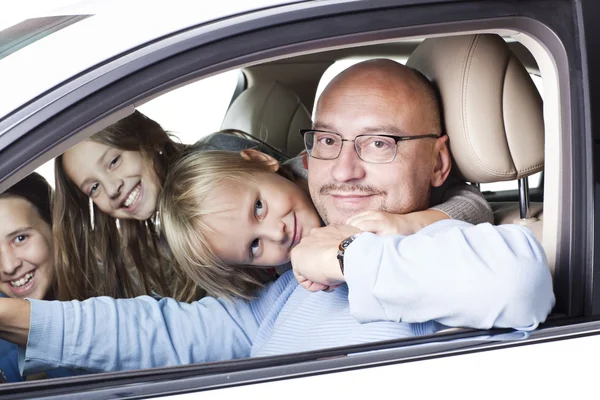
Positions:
{"x": 26, "y": 263}
{"x": 122, "y": 184}
{"x": 258, "y": 222}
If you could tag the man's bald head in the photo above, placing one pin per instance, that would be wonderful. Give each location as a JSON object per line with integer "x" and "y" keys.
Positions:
{"x": 378, "y": 98}
{"x": 405, "y": 89}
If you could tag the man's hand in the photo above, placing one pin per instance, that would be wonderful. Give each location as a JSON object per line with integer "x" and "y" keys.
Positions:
{"x": 383, "y": 223}
{"x": 314, "y": 259}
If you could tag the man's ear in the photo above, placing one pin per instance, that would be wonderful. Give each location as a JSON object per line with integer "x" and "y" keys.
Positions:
{"x": 253, "y": 154}
{"x": 443, "y": 161}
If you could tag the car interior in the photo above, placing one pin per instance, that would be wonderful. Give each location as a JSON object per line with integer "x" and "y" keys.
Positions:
{"x": 493, "y": 112}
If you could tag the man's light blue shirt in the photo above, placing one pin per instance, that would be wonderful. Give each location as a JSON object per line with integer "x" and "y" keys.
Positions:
{"x": 448, "y": 274}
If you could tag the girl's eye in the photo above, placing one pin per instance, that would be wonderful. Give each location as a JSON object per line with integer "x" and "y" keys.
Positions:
{"x": 20, "y": 239}
{"x": 93, "y": 189}
{"x": 254, "y": 246}
{"x": 114, "y": 162}
{"x": 258, "y": 208}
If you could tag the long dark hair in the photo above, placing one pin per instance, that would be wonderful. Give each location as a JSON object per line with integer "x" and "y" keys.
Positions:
{"x": 109, "y": 260}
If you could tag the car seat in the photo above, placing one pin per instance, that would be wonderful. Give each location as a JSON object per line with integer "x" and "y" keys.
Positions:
{"x": 272, "y": 113}
{"x": 493, "y": 115}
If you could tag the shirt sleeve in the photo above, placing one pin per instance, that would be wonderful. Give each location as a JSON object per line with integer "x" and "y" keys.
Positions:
{"x": 452, "y": 272}
{"x": 461, "y": 201}
{"x": 104, "y": 334}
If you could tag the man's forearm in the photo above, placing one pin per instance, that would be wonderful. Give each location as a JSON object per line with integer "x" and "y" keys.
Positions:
{"x": 14, "y": 320}
{"x": 461, "y": 201}
{"x": 420, "y": 219}
{"x": 460, "y": 275}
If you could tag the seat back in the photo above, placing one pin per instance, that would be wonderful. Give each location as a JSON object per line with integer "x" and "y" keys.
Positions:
{"x": 493, "y": 113}
{"x": 272, "y": 113}
{"x": 492, "y": 110}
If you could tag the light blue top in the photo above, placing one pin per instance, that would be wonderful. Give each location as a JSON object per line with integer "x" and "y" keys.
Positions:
{"x": 450, "y": 273}
{"x": 9, "y": 363}
{"x": 9, "y": 366}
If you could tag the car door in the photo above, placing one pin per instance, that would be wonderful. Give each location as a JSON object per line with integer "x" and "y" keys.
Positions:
{"x": 462, "y": 363}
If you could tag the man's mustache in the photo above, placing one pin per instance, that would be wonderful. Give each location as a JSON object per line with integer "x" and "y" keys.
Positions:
{"x": 350, "y": 188}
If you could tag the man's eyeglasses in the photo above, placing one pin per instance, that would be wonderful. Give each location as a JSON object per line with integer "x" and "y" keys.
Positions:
{"x": 377, "y": 149}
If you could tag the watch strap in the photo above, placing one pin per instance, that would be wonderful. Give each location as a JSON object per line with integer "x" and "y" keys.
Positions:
{"x": 342, "y": 250}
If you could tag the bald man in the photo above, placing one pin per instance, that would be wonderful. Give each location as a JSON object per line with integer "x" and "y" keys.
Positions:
{"x": 448, "y": 274}
{"x": 379, "y": 97}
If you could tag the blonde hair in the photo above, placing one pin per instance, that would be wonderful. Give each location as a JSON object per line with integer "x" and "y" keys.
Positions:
{"x": 182, "y": 204}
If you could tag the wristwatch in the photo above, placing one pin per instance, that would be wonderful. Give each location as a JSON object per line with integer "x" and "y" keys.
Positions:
{"x": 342, "y": 249}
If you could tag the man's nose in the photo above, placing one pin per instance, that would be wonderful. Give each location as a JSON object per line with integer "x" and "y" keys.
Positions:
{"x": 348, "y": 166}
{"x": 9, "y": 262}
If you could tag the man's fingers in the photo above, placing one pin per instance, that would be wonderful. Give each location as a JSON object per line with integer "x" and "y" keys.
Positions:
{"x": 331, "y": 288}
{"x": 300, "y": 278}
{"x": 309, "y": 285}
{"x": 331, "y": 231}
{"x": 361, "y": 217}
{"x": 370, "y": 225}
{"x": 313, "y": 287}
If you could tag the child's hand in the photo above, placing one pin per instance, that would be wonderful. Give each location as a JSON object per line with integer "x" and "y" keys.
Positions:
{"x": 383, "y": 223}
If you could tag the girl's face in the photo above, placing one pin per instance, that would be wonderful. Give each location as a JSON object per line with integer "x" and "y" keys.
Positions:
{"x": 259, "y": 221}
{"x": 122, "y": 184}
{"x": 26, "y": 263}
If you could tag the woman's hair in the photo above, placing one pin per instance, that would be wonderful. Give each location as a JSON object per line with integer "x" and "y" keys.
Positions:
{"x": 182, "y": 204}
{"x": 124, "y": 260}
{"x": 36, "y": 190}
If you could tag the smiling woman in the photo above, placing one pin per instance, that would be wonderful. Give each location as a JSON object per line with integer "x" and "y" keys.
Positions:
{"x": 26, "y": 250}
{"x": 26, "y": 263}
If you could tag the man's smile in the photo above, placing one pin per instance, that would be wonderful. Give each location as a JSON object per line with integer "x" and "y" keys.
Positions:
{"x": 350, "y": 198}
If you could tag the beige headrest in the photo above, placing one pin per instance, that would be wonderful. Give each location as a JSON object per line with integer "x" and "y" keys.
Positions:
{"x": 492, "y": 109}
{"x": 270, "y": 112}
